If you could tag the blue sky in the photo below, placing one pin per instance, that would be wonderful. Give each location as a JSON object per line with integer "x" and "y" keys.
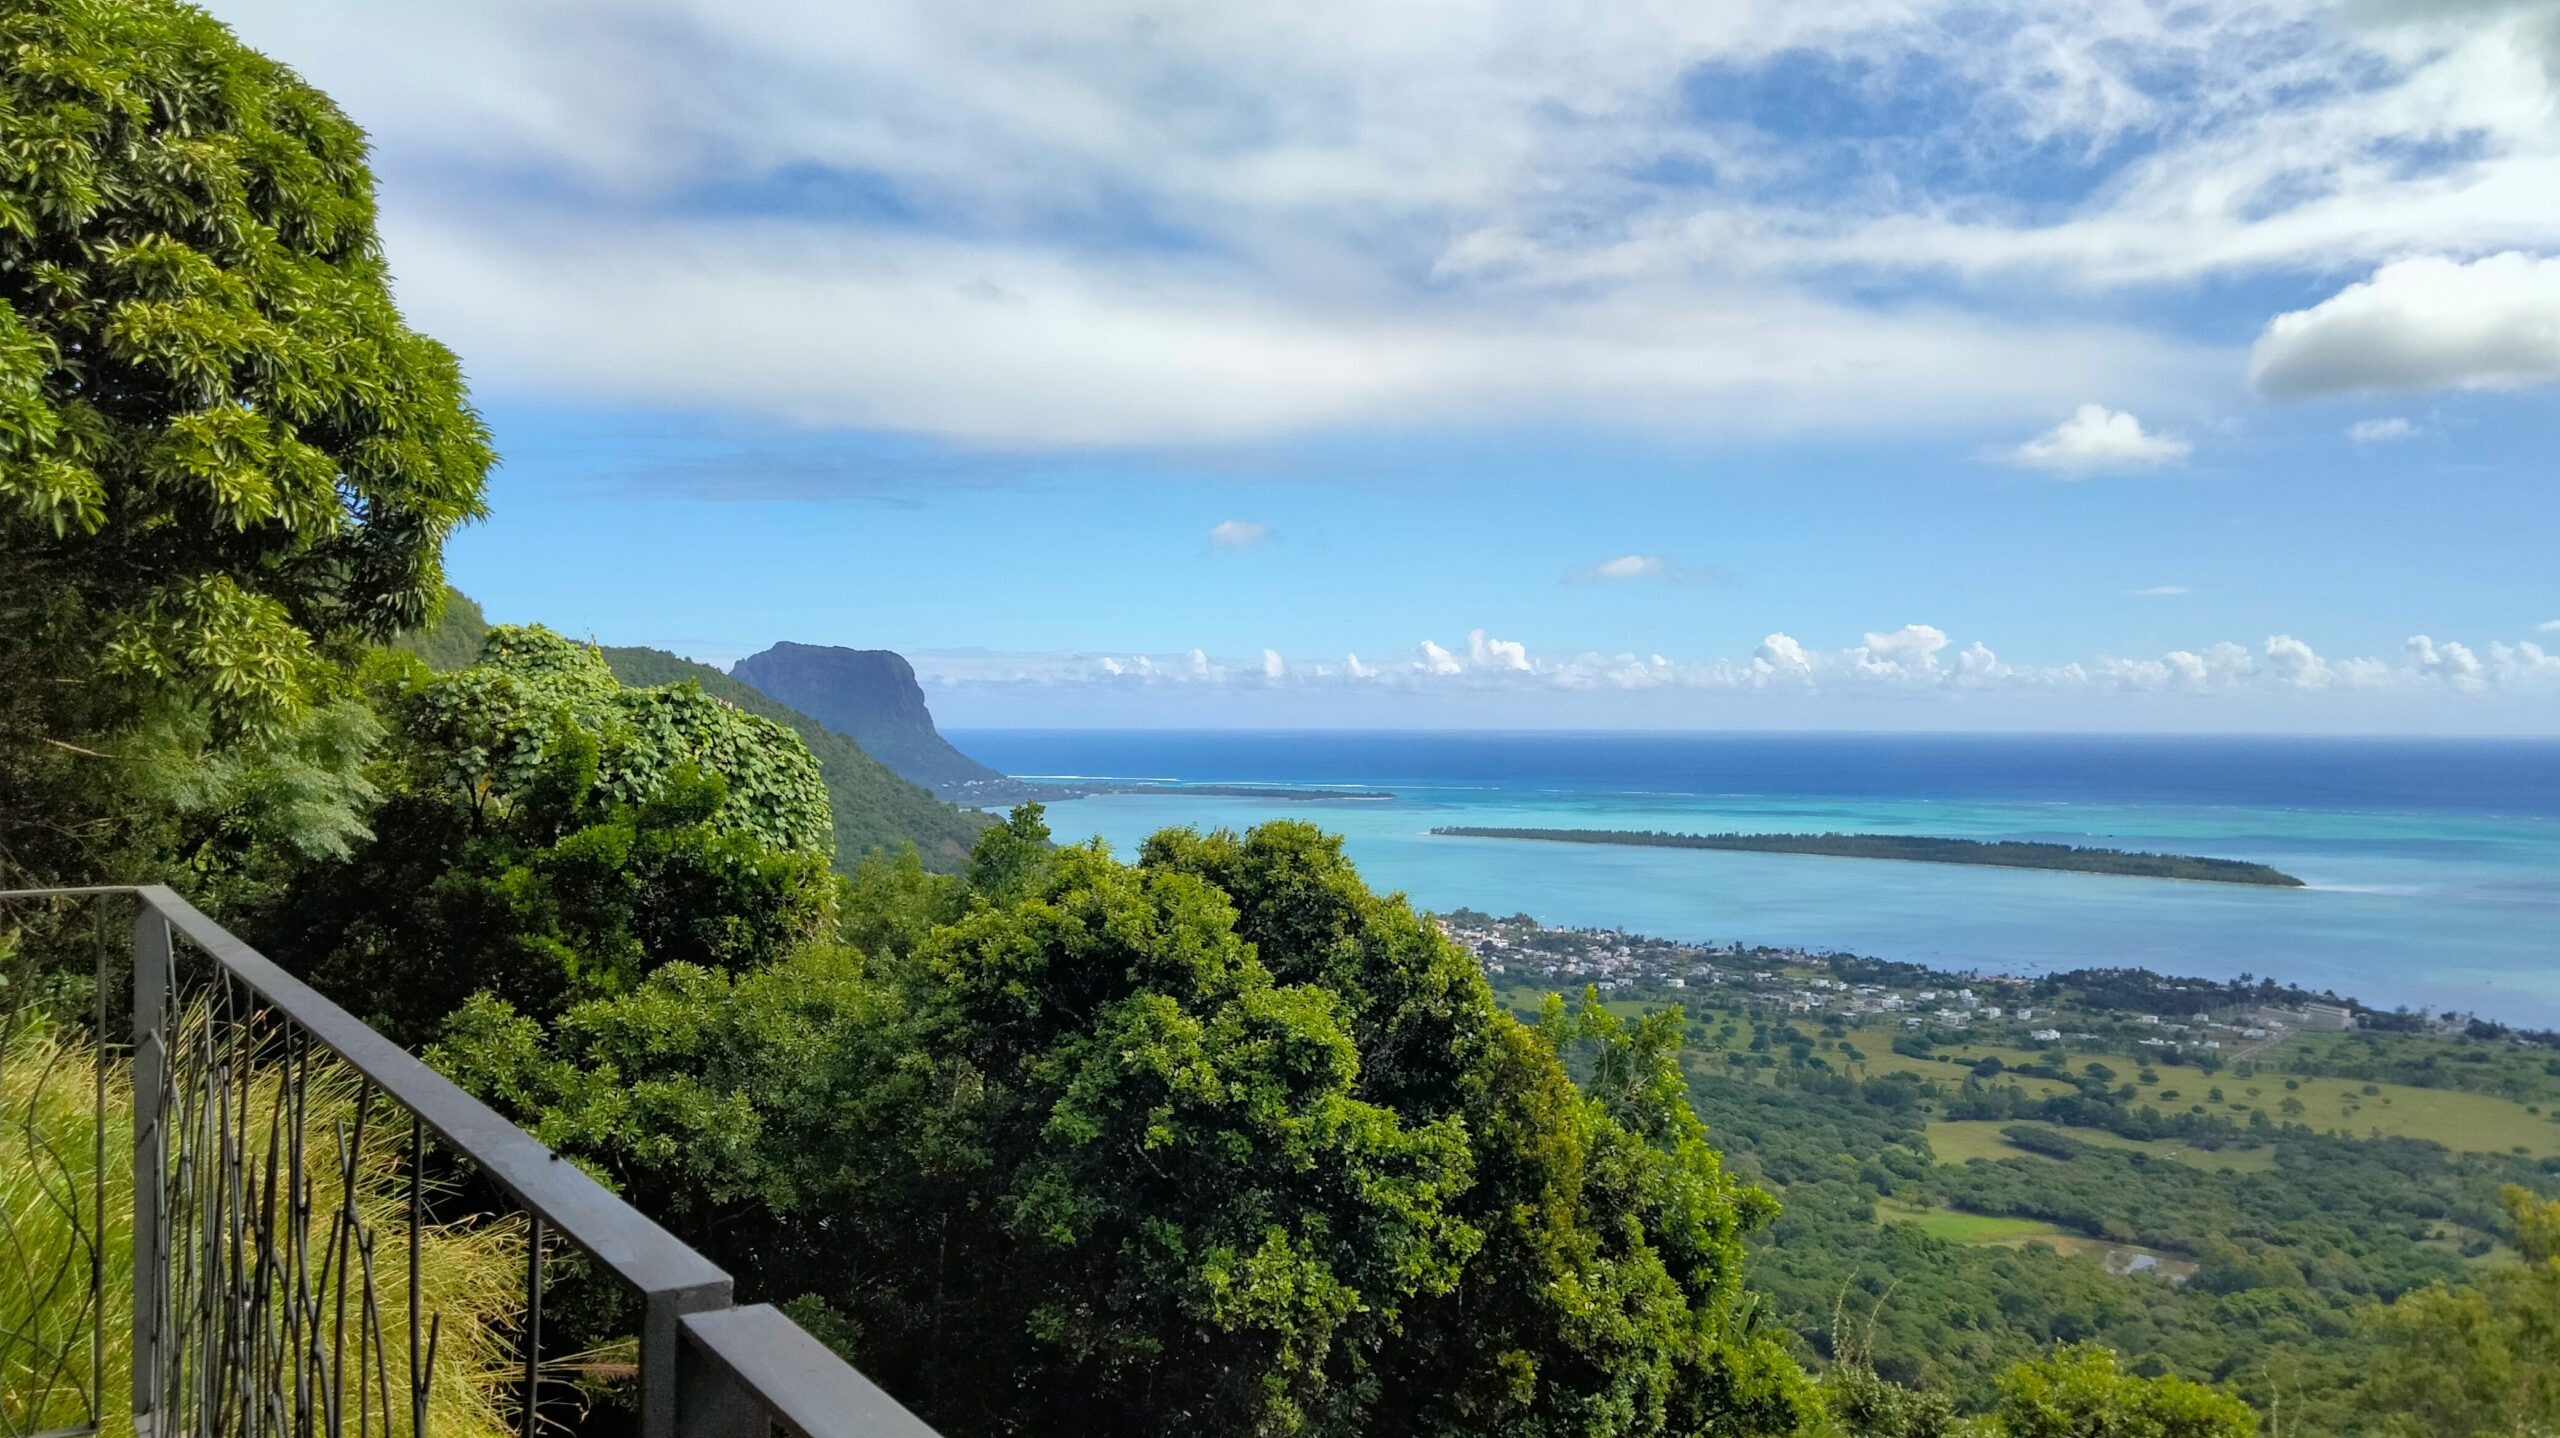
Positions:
{"x": 1902, "y": 364}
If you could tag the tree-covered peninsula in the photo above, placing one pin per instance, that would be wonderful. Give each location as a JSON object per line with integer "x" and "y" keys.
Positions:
{"x": 2000, "y": 854}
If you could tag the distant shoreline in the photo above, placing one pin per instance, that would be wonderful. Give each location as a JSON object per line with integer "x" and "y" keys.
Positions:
{"x": 1998, "y": 854}
{"x": 1087, "y": 788}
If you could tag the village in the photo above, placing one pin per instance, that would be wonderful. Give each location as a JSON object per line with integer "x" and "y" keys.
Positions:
{"x": 2197, "y": 1020}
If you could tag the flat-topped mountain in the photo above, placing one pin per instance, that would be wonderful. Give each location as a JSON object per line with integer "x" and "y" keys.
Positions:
{"x": 871, "y": 697}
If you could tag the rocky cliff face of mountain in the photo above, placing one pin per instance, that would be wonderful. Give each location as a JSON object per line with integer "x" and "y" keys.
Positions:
{"x": 871, "y": 697}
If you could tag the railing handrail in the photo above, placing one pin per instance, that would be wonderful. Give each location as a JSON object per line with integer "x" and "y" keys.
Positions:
{"x": 798, "y": 1381}
{"x": 564, "y": 1196}
{"x": 815, "y": 1393}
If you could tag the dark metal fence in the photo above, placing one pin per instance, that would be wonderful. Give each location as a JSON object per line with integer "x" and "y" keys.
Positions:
{"x": 289, "y": 1168}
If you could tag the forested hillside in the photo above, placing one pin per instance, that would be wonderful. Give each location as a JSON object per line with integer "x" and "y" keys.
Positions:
{"x": 451, "y": 640}
{"x": 1956, "y": 1196}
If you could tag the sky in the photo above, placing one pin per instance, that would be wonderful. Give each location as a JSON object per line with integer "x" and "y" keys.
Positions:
{"x": 1879, "y": 364}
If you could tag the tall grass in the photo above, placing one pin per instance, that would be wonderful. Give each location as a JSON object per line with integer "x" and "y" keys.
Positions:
{"x": 470, "y": 1276}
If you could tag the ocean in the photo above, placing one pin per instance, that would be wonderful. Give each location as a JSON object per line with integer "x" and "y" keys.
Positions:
{"x": 2433, "y": 865}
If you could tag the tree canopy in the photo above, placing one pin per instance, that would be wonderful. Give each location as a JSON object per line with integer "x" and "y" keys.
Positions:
{"x": 2079, "y": 1392}
{"x": 223, "y": 456}
{"x": 2479, "y": 1360}
{"x": 551, "y": 835}
{"x": 1215, "y": 1142}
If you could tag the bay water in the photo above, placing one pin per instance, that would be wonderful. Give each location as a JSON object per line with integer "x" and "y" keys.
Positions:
{"x": 2433, "y": 865}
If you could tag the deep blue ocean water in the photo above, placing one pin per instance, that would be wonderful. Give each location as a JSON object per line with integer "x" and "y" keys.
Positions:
{"x": 2434, "y": 864}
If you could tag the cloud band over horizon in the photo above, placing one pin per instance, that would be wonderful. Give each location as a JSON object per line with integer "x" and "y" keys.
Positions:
{"x": 1913, "y": 661}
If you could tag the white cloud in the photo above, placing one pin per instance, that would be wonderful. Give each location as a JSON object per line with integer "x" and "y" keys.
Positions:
{"x": 2294, "y": 662}
{"x": 2453, "y": 663}
{"x": 1352, "y": 666}
{"x": 2427, "y": 323}
{"x": 1781, "y": 655}
{"x": 1624, "y": 566}
{"x": 1436, "y": 660}
{"x": 2377, "y": 431}
{"x": 903, "y": 214}
{"x": 1978, "y": 665}
{"x": 1005, "y": 343}
{"x": 1486, "y": 653}
{"x": 1912, "y": 649}
{"x": 2160, "y": 591}
{"x": 1238, "y": 533}
{"x": 1273, "y": 666}
{"x": 2289, "y": 164}
{"x": 2548, "y": 626}
{"x": 2523, "y": 665}
{"x": 2097, "y": 438}
{"x": 908, "y": 214}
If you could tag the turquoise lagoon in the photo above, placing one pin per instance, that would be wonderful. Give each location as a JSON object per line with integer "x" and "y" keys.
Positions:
{"x": 2433, "y": 865}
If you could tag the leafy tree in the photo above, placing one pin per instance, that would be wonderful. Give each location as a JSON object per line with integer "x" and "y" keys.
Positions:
{"x": 1216, "y": 1142}
{"x": 240, "y": 821}
{"x": 224, "y": 459}
{"x": 1607, "y": 1296}
{"x": 2481, "y": 1360}
{"x": 551, "y": 836}
{"x": 2079, "y": 1392}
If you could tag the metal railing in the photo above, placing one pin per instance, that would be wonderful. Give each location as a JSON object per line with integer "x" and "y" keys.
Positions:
{"x": 259, "y": 1309}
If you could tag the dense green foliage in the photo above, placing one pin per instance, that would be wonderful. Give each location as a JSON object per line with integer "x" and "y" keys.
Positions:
{"x": 2080, "y": 1393}
{"x": 874, "y": 809}
{"x": 1215, "y": 1142}
{"x": 223, "y": 458}
{"x": 2527, "y": 1074}
{"x": 2484, "y": 1361}
{"x": 2004, "y": 854}
{"x": 550, "y": 835}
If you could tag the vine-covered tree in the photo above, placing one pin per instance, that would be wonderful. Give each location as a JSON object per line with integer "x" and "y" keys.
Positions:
{"x": 550, "y": 835}
{"x": 224, "y": 459}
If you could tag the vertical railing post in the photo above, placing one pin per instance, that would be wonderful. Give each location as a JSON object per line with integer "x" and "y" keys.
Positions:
{"x": 151, "y": 960}
{"x": 666, "y": 1376}
{"x": 710, "y": 1402}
